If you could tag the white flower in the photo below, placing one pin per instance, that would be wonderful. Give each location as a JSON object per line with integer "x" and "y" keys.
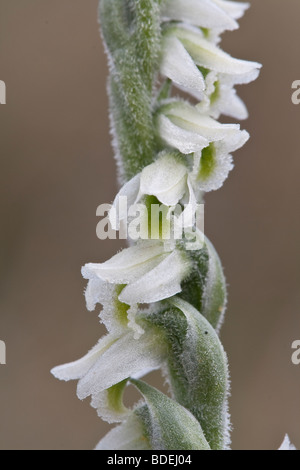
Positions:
{"x": 211, "y": 57}
{"x": 102, "y": 372}
{"x": 213, "y": 164}
{"x": 129, "y": 435}
{"x": 220, "y": 98}
{"x": 234, "y": 9}
{"x": 115, "y": 315}
{"x": 212, "y": 16}
{"x": 188, "y": 77}
{"x": 165, "y": 179}
{"x": 182, "y": 126}
{"x": 211, "y": 168}
{"x": 157, "y": 423}
{"x": 219, "y": 71}
{"x": 204, "y": 13}
{"x": 168, "y": 180}
{"x": 147, "y": 272}
{"x": 286, "y": 445}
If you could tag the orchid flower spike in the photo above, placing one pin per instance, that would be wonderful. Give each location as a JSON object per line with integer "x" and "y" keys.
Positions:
{"x": 164, "y": 297}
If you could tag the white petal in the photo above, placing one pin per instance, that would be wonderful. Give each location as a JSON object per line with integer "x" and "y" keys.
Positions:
{"x": 223, "y": 165}
{"x": 187, "y": 217}
{"x": 212, "y": 57}
{"x": 112, "y": 314}
{"x": 125, "y": 358}
{"x": 130, "y": 192}
{"x": 227, "y": 103}
{"x": 178, "y": 65}
{"x": 219, "y": 164}
{"x": 177, "y": 137}
{"x": 235, "y": 9}
{"x": 231, "y": 105}
{"x": 210, "y": 81}
{"x": 127, "y": 436}
{"x": 233, "y": 142}
{"x": 165, "y": 179}
{"x": 242, "y": 78}
{"x": 76, "y": 370}
{"x": 188, "y": 117}
{"x": 286, "y": 445}
{"x": 128, "y": 265}
{"x": 94, "y": 293}
{"x": 202, "y": 13}
{"x": 138, "y": 331}
{"x": 109, "y": 409}
{"x": 161, "y": 283}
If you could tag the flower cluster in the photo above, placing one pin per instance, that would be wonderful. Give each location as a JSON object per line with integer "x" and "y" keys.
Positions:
{"x": 152, "y": 293}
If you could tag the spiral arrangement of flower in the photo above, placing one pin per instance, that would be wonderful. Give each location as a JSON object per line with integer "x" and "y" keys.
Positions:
{"x": 163, "y": 298}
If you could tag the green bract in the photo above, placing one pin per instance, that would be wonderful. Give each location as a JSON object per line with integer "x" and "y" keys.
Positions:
{"x": 169, "y": 425}
{"x": 197, "y": 369}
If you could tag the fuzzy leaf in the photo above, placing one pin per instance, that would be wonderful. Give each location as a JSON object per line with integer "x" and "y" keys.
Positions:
{"x": 205, "y": 288}
{"x": 197, "y": 369}
{"x": 170, "y": 426}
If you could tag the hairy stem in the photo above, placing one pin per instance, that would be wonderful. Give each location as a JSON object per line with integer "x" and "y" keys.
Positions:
{"x": 131, "y": 31}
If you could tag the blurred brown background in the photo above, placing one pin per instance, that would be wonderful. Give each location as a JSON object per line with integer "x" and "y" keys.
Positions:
{"x": 57, "y": 167}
